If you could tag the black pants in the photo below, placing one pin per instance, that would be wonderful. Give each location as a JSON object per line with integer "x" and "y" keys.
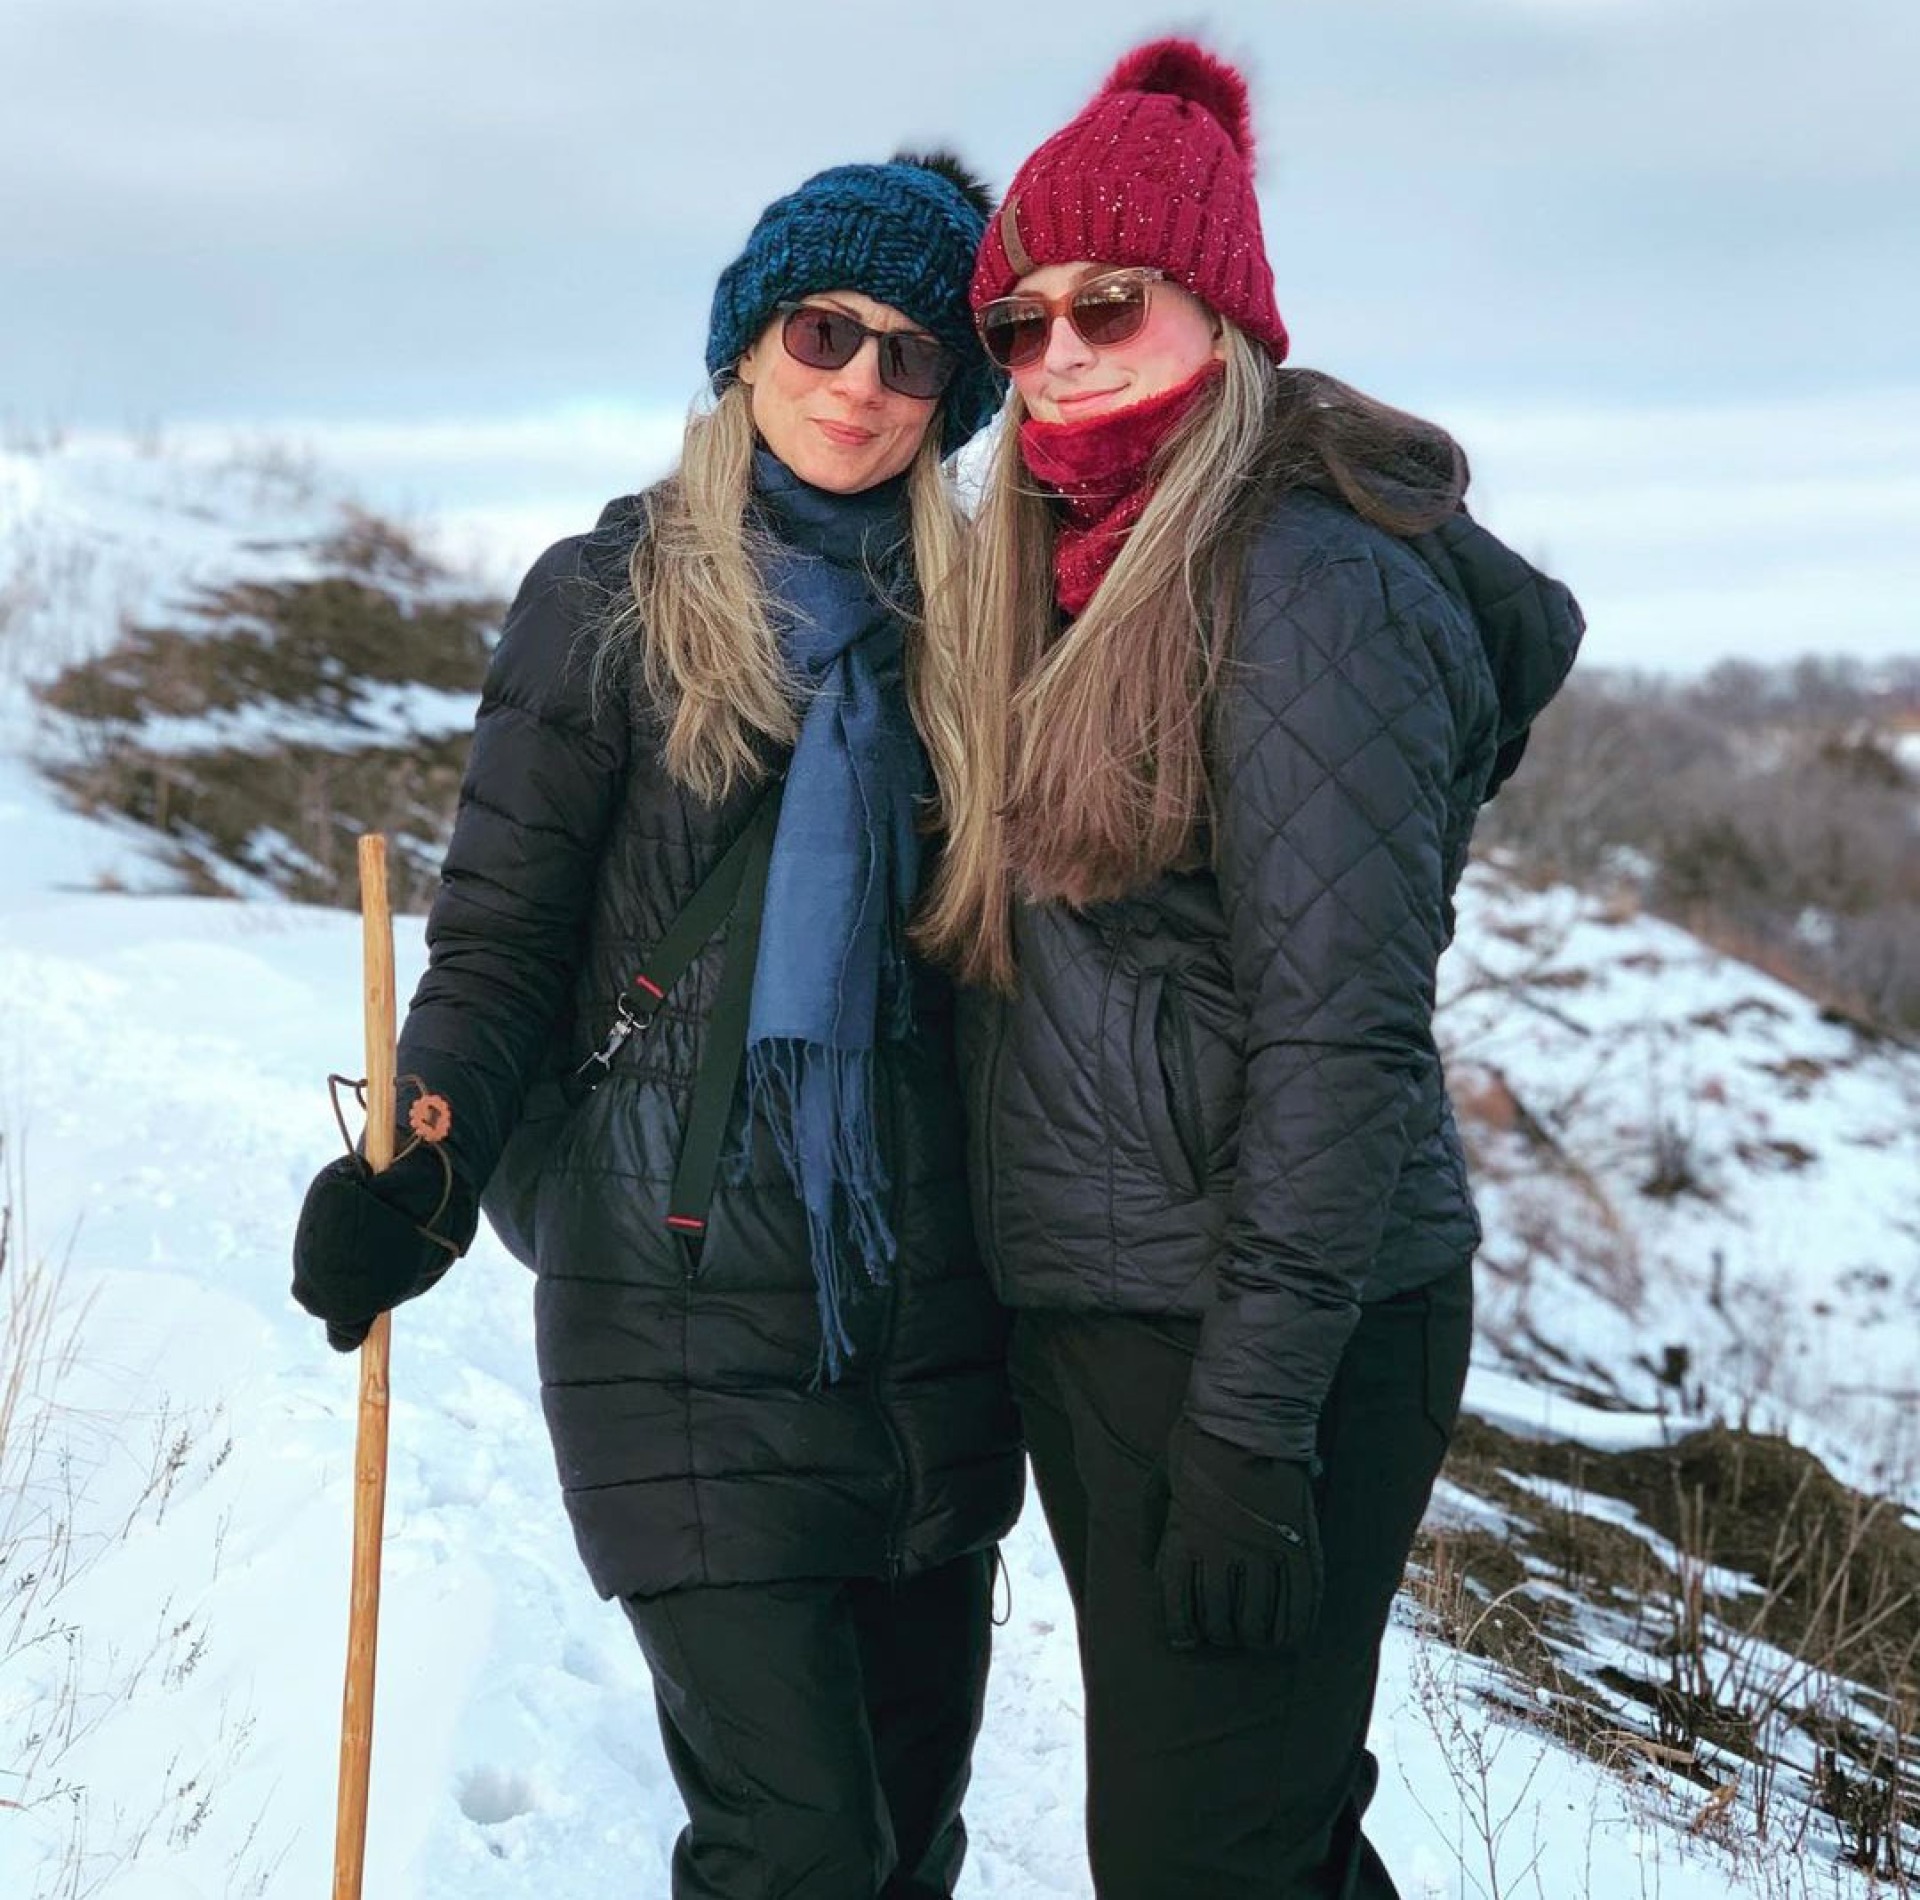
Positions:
{"x": 821, "y": 1733}
{"x": 1215, "y": 1775}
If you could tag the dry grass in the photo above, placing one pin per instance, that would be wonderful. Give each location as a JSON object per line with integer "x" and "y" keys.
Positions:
{"x": 1772, "y": 1618}
{"x": 71, "y": 1818}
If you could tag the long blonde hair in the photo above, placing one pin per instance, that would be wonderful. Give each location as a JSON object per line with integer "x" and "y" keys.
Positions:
{"x": 1083, "y": 769}
{"x": 696, "y": 638}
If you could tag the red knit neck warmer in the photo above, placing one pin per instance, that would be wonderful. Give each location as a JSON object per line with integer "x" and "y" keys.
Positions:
{"x": 1098, "y": 471}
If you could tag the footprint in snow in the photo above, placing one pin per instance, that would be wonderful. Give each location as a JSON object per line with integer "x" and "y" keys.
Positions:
{"x": 489, "y": 1797}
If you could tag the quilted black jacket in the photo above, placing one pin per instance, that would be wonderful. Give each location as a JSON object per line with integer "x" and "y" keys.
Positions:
{"x": 1220, "y": 1097}
{"x": 694, "y": 1441}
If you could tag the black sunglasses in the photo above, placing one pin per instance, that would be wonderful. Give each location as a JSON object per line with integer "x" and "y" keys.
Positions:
{"x": 822, "y": 337}
{"x": 1105, "y": 310}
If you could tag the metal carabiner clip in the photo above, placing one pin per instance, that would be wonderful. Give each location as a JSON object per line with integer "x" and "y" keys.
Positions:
{"x": 625, "y": 1022}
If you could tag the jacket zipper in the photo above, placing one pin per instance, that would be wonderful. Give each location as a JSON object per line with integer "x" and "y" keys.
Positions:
{"x": 989, "y": 1121}
{"x": 883, "y": 1350}
{"x": 1188, "y": 1122}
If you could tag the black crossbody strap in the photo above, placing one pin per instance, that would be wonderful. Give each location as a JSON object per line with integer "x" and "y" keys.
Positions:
{"x": 699, "y": 1167}
{"x": 732, "y": 893}
{"x": 706, "y": 910}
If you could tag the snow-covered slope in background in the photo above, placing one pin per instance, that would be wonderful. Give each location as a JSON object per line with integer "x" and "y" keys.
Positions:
{"x": 1699, "y": 1188}
{"x": 106, "y": 533}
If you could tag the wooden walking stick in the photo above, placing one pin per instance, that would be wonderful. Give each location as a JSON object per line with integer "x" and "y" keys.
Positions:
{"x": 370, "y": 1451}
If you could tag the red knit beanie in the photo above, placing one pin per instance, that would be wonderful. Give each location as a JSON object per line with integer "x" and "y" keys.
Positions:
{"x": 1157, "y": 170}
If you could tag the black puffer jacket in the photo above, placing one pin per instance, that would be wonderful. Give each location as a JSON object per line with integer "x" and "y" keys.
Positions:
{"x": 1221, "y": 1097}
{"x": 694, "y": 1441}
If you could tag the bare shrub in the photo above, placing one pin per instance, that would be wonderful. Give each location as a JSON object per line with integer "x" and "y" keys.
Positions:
{"x": 1767, "y": 809}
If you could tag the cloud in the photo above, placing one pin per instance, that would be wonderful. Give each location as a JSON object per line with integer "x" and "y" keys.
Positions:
{"x": 1760, "y": 530}
{"x": 230, "y": 210}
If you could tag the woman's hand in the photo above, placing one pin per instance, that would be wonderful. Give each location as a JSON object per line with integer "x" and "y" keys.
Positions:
{"x": 1239, "y": 1559}
{"x": 367, "y": 1241}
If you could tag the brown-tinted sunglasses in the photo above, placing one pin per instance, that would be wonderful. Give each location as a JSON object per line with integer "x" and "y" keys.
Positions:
{"x": 1104, "y": 310}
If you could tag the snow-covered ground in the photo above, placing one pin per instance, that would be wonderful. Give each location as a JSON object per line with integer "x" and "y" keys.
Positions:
{"x": 161, "y": 1065}
{"x": 175, "y": 1515}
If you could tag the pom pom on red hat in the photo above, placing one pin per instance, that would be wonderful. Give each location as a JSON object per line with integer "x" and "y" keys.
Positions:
{"x": 1191, "y": 72}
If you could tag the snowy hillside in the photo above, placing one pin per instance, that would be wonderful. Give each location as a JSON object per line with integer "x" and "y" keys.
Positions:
{"x": 234, "y": 657}
{"x": 1676, "y": 1157}
{"x": 1699, "y": 1189}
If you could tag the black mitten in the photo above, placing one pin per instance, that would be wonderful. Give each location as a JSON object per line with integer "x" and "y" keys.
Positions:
{"x": 1239, "y": 1559}
{"x": 367, "y": 1241}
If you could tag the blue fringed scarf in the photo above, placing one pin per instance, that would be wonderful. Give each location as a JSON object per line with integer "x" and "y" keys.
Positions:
{"x": 832, "y": 975}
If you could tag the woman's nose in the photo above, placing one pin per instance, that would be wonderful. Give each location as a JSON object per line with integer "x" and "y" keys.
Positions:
{"x": 1066, "y": 347}
{"x": 858, "y": 378}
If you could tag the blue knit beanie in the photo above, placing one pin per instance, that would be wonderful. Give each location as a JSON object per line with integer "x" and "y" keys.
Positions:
{"x": 904, "y": 233}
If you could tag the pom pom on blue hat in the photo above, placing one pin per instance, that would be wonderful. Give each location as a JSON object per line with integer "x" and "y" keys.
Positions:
{"x": 904, "y": 233}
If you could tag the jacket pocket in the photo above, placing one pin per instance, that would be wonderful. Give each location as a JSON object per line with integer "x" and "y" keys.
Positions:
{"x": 1167, "y": 1075}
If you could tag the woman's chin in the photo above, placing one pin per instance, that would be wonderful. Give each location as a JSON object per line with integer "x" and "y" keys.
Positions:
{"x": 836, "y": 477}
{"x": 838, "y": 470}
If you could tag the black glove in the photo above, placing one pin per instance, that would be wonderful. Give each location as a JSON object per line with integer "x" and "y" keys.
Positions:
{"x": 1239, "y": 1557}
{"x": 368, "y": 1241}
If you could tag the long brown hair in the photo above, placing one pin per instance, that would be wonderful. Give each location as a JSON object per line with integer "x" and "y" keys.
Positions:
{"x": 694, "y": 633}
{"x": 1083, "y": 772}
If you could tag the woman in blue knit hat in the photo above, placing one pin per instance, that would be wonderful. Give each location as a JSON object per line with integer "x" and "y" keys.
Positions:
{"x": 671, "y": 1030}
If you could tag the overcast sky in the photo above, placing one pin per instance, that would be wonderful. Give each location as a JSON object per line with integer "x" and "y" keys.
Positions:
{"x": 1657, "y": 261}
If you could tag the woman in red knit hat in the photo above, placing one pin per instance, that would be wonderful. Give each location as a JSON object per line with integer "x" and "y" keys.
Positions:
{"x": 1243, "y": 671}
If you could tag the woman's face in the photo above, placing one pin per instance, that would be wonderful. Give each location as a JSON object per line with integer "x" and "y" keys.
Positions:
{"x": 1071, "y": 381}
{"x": 840, "y": 429}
